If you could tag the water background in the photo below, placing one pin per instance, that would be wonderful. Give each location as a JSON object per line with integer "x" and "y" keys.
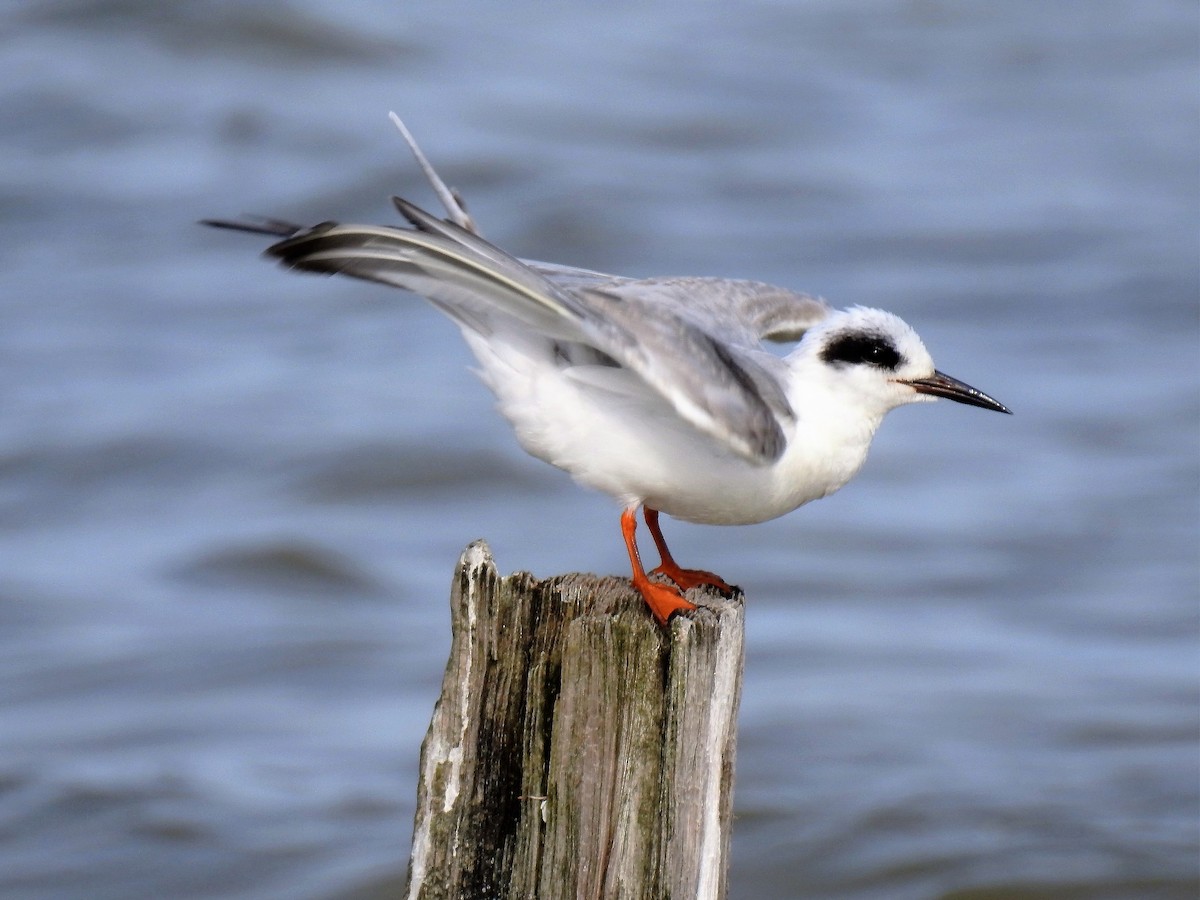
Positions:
{"x": 231, "y": 498}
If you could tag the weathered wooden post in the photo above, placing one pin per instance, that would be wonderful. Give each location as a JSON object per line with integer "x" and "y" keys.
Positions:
{"x": 577, "y": 749}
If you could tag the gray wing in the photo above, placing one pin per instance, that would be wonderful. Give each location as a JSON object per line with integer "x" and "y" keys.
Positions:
{"x": 711, "y": 383}
{"x": 691, "y": 341}
{"x": 717, "y": 378}
{"x": 469, "y": 279}
{"x": 708, "y": 332}
{"x": 745, "y": 311}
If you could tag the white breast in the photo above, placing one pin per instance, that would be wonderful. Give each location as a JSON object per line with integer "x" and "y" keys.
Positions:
{"x": 615, "y": 437}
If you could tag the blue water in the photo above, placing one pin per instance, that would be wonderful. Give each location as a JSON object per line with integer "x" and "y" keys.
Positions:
{"x": 231, "y": 498}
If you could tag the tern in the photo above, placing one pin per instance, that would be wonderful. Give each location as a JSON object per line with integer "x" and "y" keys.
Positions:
{"x": 656, "y": 391}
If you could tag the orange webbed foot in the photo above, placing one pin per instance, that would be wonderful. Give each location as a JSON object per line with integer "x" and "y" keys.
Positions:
{"x": 685, "y": 578}
{"x": 663, "y": 599}
{"x": 690, "y": 578}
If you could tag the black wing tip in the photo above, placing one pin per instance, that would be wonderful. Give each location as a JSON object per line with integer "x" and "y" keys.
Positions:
{"x": 411, "y": 212}
{"x": 294, "y": 242}
{"x": 421, "y": 219}
{"x": 256, "y": 225}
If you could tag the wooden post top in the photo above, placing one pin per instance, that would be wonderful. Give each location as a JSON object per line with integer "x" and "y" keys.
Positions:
{"x": 577, "y": 749}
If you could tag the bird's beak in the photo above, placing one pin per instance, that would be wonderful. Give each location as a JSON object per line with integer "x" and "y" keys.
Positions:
{"x": 940, "y": 384}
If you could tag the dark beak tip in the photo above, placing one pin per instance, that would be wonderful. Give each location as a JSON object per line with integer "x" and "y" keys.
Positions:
{"x": 942, "y": 385}
{"x": 994, "y": 406}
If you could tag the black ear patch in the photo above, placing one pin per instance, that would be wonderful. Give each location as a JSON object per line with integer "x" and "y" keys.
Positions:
{"x": 858, "y": 348}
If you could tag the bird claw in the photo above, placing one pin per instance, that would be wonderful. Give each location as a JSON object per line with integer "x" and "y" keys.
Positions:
{"x": 687, "y": 579}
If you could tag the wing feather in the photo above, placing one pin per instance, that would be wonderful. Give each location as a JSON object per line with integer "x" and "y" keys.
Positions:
{"x": 695, "y": 342}
{"x": 716, "y": 386}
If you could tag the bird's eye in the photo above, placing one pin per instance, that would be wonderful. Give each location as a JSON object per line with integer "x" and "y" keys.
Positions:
{"x": 860, "y": 349}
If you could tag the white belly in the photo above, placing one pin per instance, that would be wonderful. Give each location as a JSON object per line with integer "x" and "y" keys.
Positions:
{"x": 635, "y": 448}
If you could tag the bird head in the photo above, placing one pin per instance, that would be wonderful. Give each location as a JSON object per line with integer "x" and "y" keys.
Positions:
{"x": 876, "y": 360}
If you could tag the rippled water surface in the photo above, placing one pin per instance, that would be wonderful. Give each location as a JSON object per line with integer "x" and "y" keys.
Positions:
{"x": 231, "y": 498}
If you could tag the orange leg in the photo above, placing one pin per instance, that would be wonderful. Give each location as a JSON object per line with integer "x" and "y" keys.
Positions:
{"x": 685, "y": 578}
{"x": 664, "y": 601}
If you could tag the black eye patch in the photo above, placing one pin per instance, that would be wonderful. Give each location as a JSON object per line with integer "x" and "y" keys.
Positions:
{"x": 856, "y": 349}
